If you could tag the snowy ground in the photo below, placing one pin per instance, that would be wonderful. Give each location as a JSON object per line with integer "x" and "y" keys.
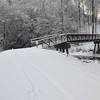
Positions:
{"x": 38, "y": 74}
{"x": 83, "y": 49}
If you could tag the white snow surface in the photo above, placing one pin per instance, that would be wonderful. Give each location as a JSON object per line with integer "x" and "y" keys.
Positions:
{"x": 39, "y": 74}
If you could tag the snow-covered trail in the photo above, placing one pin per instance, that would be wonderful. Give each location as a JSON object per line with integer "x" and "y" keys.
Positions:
{"x": 38, "y": 74}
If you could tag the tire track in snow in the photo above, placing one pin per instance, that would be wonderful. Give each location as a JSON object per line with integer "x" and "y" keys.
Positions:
{"x": 35, "y": 93}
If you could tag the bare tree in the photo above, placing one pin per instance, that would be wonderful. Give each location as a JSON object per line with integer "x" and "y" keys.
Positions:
{"x": 79, "y": 17}
{"x": 62, "y": 16}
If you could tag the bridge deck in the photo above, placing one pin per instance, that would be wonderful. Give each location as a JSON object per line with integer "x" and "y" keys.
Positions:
{"x": 55, "y": 39}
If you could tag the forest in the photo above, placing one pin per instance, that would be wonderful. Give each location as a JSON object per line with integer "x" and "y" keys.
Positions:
{"x": 22, "y": 20}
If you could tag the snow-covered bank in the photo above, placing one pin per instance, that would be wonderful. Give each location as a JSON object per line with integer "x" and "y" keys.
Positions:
{"x": 84, "y": 50}
{"x": 38, "y": 74}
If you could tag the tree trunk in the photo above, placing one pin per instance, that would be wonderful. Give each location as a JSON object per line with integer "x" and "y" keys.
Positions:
{"x": 93, "y": 17}
{"x": 96, "y": 14}
{"x": 79, "y": 17}
{"x": 62, "y": 17}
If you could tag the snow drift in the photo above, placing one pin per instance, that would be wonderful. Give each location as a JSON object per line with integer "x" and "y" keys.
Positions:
{"x": 38, "y": 74}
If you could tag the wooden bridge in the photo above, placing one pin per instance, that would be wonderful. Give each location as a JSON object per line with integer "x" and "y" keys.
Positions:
{"x": 60, "y": 39}
{"x": 55, "y": 39}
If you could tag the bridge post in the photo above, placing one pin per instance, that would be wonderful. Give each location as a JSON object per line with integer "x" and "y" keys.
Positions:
{"x": 57, "y": 48}
{"x": 94, "y": 51}
{"x": 96, "y": 47}
{"x": 37, "y": 43}
{"x": 60, "y": 48}
{"x": 63, "y": 47}
{"x": 67, "y": 46}
{"x": 42, "y": 44}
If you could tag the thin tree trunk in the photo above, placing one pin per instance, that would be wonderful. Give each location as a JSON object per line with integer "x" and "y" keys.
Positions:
{"x": 96, "y": 20}
{"x": 88, "y": 21}
{"x": 83, "y": 17}
{"x": 43, "y": 8}
{"x": 93, "y": 17}
{"x": 79, "y": 18}
{"x": 62, "y": 17}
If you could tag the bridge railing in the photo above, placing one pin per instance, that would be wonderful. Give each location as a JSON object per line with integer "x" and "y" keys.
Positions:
{"x": 82, "y": 37}
{"x": 44, "y": 39}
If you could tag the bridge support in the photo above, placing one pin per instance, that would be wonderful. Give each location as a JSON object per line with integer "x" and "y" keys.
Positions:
{"x": 63, "y": 47}
{"x": 96, "y": 47}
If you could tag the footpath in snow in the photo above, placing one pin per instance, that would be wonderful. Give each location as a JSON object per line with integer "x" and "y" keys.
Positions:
{"x": 38, "y": 74}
